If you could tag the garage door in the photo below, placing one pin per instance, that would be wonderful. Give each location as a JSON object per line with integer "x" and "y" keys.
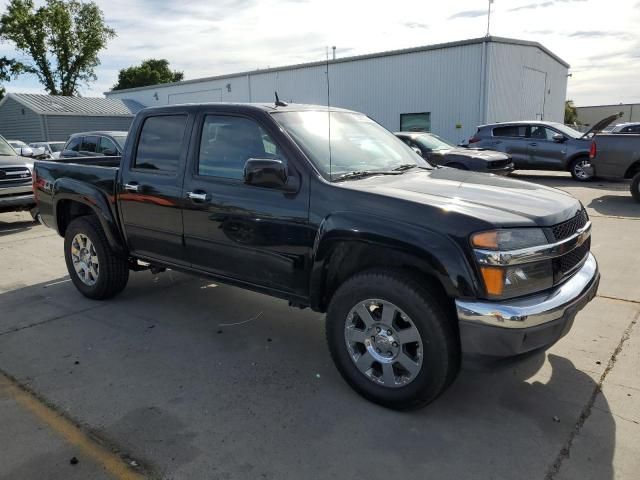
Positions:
{"x": 201, "y": 96}
{"x": 534, "y": 85}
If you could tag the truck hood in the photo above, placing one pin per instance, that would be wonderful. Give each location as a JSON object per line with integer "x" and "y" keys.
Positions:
{"x": 497, "y": 200}
{"x": 5, "y": 161}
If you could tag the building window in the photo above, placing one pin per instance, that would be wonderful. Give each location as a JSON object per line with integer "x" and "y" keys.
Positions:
{"x": 415, "y": 122}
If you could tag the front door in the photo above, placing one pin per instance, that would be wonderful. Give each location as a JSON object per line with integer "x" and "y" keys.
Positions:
{"x": 151, "y": 191}
{"x": 544, "y": 152}
{"x": 255, "y": 235}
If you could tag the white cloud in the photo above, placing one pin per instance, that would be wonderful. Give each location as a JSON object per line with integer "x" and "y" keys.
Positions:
{"x": 205, "y": 38}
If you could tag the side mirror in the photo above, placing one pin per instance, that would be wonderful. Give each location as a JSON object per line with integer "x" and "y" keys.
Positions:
{"x": 25, "y": 152}
{"x": 417, "y": 150}
{"x": 559, "y": 138}
{"x": 265, "y": 172}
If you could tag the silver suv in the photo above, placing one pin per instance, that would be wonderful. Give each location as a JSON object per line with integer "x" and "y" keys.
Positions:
{"x": 538, "y": 145}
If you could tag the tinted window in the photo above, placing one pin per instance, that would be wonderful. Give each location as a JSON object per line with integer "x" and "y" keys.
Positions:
{"x": 106, "y": 144}
{"x": 160, "y": 143}
{"x": 89, "y": 144}
{"x": 228, "y": 142}
{"x": 415, "y": 122}
{"x": 511, "y": 131}
{"x": 74, "y": 144}
{"x": 632, "y": 129}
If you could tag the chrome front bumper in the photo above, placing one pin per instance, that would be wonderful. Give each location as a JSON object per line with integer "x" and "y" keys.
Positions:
{"x": 544, "y": 318}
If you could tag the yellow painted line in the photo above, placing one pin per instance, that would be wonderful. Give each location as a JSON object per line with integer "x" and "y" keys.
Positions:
{"x": 111, "y": 462}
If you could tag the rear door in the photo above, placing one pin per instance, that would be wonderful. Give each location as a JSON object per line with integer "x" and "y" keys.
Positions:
{"x": 544, "y": 152}
{"x": 89, "y": 146}
{"x": 150, "y": 190}
{"x": 254, "y": 235}
{"x": 512, "y": 140}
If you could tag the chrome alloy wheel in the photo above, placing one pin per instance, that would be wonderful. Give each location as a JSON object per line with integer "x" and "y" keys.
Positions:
{"x": 579, "y": 169}
{"x": 85, "y": 259}
{"x": 383, "y": 343}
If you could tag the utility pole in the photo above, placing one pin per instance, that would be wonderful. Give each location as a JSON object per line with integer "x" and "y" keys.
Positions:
{"x": 489, "y": 18}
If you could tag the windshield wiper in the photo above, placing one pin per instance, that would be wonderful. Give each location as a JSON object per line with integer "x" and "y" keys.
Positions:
{"x": 362, "y": 174}
{"x": 405, "y": 166}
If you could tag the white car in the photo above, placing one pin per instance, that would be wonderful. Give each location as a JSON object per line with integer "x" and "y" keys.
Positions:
{"x": 25, "y": 150}
{"x": 53, "y": 149}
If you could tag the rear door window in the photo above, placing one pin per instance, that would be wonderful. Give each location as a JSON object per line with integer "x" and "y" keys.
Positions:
{"x": 512, "y": 131}
{"x": 107, "y": 147}
{"x": 161, "y": 143}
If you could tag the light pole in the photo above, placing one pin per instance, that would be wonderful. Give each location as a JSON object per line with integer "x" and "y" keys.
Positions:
{"x": 489, "y": 17}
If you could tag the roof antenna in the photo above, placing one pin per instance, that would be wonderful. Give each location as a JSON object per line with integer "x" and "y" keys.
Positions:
{"x": 279, "y": 103}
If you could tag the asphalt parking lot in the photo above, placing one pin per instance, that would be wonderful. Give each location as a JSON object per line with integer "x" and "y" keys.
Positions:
{"x": 180, "y": 378}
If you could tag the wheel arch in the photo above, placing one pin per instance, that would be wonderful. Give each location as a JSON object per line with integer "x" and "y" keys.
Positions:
{"x": 633, "y": 169}
{"x": 342, "y": 250}
{"x": 74, "y": 199}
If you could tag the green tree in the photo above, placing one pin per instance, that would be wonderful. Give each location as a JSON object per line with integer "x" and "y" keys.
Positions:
{"x": 149, "y": 72}
{"x": 8, "y": 68}
{"x": 61, "y": 40}
{"x": 570, "y": 113}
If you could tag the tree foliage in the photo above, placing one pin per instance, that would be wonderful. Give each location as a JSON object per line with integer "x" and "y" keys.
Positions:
{"x": 149, "y": 72}
{"x": 570, "y": 113}
{"x": 60, "y": 39}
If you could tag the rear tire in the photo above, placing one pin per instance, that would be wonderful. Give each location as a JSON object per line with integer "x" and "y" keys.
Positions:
{"x": 95, "y": 269}
{"x": 635, "y": 187}
{"x": 405, "y": 353}
{"x": 577, "y": 169}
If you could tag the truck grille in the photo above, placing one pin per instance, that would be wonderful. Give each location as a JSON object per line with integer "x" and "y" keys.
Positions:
{"x": 499, "y": 163}
{"x": 566, "y": 229}
{"x": 15, "y": 175}
{"x": 566, "y": 264}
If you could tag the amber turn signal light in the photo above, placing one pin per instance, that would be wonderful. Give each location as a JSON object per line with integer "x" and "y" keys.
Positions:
{"x": 493, "y": 280}
{"x": 487, "y": 240}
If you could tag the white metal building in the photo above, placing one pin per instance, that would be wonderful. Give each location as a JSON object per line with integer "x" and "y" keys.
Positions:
{"x": 448, "y": 88}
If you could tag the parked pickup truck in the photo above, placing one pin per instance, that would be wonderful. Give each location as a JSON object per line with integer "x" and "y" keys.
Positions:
{"x": 618, "y": 157}
{"x": 413, "y": 264}
{"x": 16, "y": 191}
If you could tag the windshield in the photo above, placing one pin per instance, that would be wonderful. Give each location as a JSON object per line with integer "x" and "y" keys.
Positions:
{"x": 56, "y": 147}
{"x": 357, "y": 142}
{"x": 433, "y": 142}
{"x": 568, "y": 131}
{"x": 120, "y": 140}
{"x": 5, "y": 149}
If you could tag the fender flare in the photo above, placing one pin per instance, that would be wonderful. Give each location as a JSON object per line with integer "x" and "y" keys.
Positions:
{"x": 438, "y": 255}
{"x": 91, "y": 196}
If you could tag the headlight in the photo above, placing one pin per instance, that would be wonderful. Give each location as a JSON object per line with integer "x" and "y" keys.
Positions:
{"x": 517, "y": 280}
{"x": 513, "y": 280}
{"x": 509, "y": 239}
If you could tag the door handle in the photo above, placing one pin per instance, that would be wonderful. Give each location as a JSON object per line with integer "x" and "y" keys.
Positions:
{"x": 533, "y": 144}
{"x": 198, "y": 196}
{"x": 132, "y": 187}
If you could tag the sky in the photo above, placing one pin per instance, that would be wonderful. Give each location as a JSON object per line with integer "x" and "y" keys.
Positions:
{"x": 600, "y": 39}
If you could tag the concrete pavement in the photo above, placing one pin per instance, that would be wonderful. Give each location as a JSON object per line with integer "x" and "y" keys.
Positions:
{"x": 189, "y": 380}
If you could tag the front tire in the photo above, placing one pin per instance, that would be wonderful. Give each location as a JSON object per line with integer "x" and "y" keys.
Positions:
{"x": 635, "y": 187}
{"x": 391, "y": 340}
{"x": 577, "y": 169}
{"x": 95, "y": 269}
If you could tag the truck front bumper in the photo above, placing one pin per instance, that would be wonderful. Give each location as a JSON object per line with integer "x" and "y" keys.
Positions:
{"x": 17, "y": 202}
{"x": 520, "y": 325}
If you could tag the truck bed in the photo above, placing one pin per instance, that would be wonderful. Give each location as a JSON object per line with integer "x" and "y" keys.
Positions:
{"x": 94, "y": 176}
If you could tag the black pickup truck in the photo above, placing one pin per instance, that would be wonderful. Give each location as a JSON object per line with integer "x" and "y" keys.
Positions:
{"x": 413, "y": 264}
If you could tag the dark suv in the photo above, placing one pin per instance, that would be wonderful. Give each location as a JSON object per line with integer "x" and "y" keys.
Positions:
{"x": 91, "y": 144}
{"x": 538, "y": 145}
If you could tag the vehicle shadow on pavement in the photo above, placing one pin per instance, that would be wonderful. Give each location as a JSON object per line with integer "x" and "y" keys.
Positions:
{"x": 8, "y": 228}
{"x": 615, "y": 205}
{"x": 201, "y": 380}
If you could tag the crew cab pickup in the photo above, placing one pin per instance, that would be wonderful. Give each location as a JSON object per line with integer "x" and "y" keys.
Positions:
{"x": 413, "y": 264}
{"x": 617, "y": 156}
